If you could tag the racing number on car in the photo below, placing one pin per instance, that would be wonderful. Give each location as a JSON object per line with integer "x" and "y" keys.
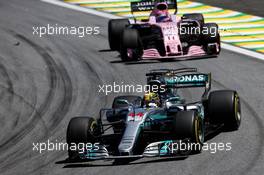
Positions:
{"x": 135, "y": 117}
{"x": 170, "y": 30}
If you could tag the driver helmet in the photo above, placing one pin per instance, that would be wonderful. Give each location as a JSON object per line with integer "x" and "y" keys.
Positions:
{"x": 151, "y": 100}
{"x": 161, "y": 12}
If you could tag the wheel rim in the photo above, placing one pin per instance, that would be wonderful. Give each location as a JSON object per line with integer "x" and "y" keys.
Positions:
{"x": 93, "y": 127}
{"x": 199, "y": 131}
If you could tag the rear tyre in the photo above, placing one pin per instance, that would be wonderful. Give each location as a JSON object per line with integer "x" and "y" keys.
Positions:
{"x": 191, "y": 33}
{"x": 115, "y": 30}
{"x": 80, "y": 130}
{"x": 211, "y": 36}
{"x": 195, "y": 16}
{"x": 187, "y": 124}
{"x": 224, "y": 108}
{"x": 131, "y": 45}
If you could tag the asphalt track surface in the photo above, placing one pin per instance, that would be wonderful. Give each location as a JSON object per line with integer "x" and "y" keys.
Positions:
{"x": 46, "y": 81}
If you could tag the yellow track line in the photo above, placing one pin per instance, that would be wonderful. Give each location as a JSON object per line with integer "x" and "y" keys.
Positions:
{"x": 242, "y": 38}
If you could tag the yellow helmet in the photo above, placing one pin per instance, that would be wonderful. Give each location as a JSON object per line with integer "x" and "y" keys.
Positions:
{"x": 151, "y": 97}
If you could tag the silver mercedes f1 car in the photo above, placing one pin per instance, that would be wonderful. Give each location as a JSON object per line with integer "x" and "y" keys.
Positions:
{"x": 134, "y": 128}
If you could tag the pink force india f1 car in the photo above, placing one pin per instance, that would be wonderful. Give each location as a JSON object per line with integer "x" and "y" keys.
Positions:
{"x": 163, "y": 35}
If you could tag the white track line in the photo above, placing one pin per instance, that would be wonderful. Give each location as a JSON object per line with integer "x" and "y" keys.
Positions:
{"x": 243, "y": 51}
{"x": 110, "y": 16}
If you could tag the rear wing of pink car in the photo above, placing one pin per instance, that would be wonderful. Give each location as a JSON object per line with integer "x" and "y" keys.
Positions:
{"x": 147, "y": 5}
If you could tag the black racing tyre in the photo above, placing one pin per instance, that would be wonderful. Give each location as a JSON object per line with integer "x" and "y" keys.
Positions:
{"x": 136, "y": 54}
{"x": 210, "y": 33}
{"x": 115, "y": 30}
{"x": 187, "y": 124}
{"x": 224, "y": 108}
{"x": 80, "y": 130}
{"x": 133, "y": 99}
{"x": 195, "y": 16}
{"x": 131, "y": 40}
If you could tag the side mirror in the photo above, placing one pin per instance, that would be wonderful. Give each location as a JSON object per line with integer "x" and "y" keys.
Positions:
{"x": 123, "y": 102}
{"x": 120, "y": 103}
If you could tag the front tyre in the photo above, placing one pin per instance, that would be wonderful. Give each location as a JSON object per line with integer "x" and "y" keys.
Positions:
{"x": 81, "y": 130}
{"x": 195, "y": 16}
{"x": 115, "y": 30}
{"x": 131, "y": 45}
{"x": 187, "y": 124}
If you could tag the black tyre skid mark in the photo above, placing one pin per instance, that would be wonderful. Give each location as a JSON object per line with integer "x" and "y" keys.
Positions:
{"x": 56, "y": 73}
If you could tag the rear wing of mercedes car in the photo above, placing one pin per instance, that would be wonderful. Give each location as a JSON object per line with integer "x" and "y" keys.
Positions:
{"x": 147, "y": 5}
{"x": 190, "y": 80}
{"x": 181, "y": 78}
